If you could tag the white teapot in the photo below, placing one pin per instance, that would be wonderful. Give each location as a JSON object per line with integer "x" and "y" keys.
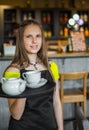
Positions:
{"x": 13, "y": 86}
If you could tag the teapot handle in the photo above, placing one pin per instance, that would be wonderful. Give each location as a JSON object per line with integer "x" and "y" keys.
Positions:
{"x": 3, "y": 79}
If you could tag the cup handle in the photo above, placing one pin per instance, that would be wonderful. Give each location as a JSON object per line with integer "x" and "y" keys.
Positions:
{"x": 22, "y": 83}
{"x": 24, "y": 76}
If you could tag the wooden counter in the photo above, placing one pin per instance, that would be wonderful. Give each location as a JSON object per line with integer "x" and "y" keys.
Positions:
{"x": 6, "y": 58}
{"x": 69, "y": 54}
{"x": 56, "y": 55}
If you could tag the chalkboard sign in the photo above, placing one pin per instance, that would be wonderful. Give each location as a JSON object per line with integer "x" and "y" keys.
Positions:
{"x": 78, "y": 41}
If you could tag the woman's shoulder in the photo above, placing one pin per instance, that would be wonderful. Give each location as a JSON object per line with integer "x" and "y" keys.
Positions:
{"x": 54, "y": 69}
{"x": 12, "y": 72}
{"x": 53, "y": 64}
{"x": 12, "y": 69}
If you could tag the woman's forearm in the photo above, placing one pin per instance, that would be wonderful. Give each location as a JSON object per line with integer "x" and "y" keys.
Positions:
{"x": 58, "y": 115}
{"x": 17, "y": 107}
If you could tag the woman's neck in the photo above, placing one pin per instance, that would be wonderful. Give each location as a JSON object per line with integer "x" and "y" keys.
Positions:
{"x": 33, "y": 58}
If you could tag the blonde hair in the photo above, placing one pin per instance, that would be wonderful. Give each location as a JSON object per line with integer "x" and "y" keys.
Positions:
{"x": 21, "y": 59}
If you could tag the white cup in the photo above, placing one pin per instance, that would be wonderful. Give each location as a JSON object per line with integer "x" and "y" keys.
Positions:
{"x": 32, "y": 77}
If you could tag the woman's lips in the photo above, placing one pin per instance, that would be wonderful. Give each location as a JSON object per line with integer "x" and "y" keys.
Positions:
{"x": 34, "y": 47}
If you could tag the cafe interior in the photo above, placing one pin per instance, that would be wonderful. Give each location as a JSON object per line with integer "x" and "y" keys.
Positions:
{"x": 66, "y": 31}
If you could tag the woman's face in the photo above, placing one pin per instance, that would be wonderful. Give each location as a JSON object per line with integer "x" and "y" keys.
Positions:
{"x": 32, "y": 39}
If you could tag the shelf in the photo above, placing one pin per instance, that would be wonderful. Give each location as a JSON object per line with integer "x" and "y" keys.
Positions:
{"x": 54, "y": 22}
{"x": 47, "y": 22}
{"x": 26, "y": 14}
{"x": 9, "y": 24}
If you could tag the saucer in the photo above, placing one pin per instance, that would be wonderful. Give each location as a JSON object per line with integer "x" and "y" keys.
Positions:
{"x": 37, "y": 85}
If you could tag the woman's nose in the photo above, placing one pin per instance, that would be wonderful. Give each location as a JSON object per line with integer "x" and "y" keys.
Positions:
{"x": 34, "y": 40}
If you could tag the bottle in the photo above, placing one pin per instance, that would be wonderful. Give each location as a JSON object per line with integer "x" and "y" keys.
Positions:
{"x": 61, "y": 32}
{"x": 82, "y": 16}
{"x": 61, "y": 18}
{"x": 13, "y": 17}
{"x": 86, "y": 32}
{"x": 25, "y": 17}
{"x": 29, "y": 16}
{"x": 70, "y": 48}
{"x": 45, "y": 33}
{"x": 65, "y": 18}
{"x": 49, "y": 33}
{"x": 48, "y": 18}
{"x": 82, "y": 29}
{"x": 44, "y": 18}
{"x": 85, "y": 16}
{"x": 65, "y": 32}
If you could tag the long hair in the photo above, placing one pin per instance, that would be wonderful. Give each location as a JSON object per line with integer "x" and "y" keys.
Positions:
{"x": 21, "y": 59}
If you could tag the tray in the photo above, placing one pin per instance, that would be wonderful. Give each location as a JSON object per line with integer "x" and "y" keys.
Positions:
{"x": 48, "y": 87}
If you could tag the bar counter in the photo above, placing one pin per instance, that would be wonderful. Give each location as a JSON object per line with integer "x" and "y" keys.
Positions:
{"x": 57, "y": 55}
{"x": 69, "y": 54}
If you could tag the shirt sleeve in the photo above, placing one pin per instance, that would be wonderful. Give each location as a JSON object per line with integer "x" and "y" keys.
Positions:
{"x": 54, "y": 70}
{"x": 8, "y": 74}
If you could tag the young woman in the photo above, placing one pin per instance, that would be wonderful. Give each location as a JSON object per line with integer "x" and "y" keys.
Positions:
{"x": 42, "y": 110}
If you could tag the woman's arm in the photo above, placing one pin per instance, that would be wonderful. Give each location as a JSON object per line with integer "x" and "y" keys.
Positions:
{"x": 17, "y": 107}
{"x": 57, "y": 107}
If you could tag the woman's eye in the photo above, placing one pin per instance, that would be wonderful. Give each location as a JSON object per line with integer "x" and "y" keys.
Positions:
{"x": 29, "y": 36}
{"x": 38, "y": 36}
